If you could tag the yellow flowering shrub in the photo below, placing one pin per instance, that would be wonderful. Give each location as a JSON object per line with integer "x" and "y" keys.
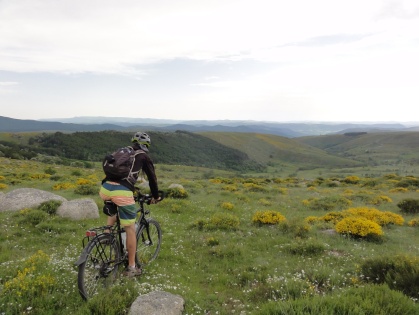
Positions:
{"x": 333, "y": 217}
{"x": 229, "y": 188}
{"x": 399, "y": 190}
{"x": 379, "y": 217}
{"x": 380, "y": 199}
{"x": 3, "y": 186}
{"x": 84, "y": 181}
{"x": 268, "y": 217}
{"x": 351, "y": 179}
{"x": 413, "y": 222}
{"x": 283, "y": 191}
{"x": 2, "y": 178}
{"x": 254, "y": 187}
{"x": 40, "y": 176}
{"x": 265, "y": 202}
{"x": 30, "y": 281}
{"x": 227, "y": 205}
{"x": 63, "y": 186}
{"x": 358, "y": 227}
{"x": 311, "y": 219}
{"x": 306, "y": 202}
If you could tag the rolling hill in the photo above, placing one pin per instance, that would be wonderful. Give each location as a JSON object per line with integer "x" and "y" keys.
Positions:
{"x": 276, "y": 149}
{"x": 377, "y": 148}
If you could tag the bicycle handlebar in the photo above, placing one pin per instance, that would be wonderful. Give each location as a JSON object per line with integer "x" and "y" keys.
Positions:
{"x": 140, "y": 198}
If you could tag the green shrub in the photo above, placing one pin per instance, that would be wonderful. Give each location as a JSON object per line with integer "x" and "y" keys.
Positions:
{"x": 87, "y": 189}
{"x": 223, "y": 221}
{"x": 50, "y": 206}
{"x": 329, "y": 203}
{"x": 76, "y": 173}
{"x": 50, "y": 171}
{"x": 409, "y": 206}
{"x": 366, "y": 300}
{"x": 398, "y": 272}
{"x": 408, "y": 182}
{"x": 32, "y": 216}
{"x": 298, "y": 230}
{"x": 306, "y": 248}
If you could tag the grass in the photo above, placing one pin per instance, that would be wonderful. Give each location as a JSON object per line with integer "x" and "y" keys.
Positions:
{"x": 218, "y": 268}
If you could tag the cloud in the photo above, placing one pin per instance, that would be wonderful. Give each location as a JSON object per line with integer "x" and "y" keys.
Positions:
{"x": 121, "y": 37}
{"x": 8, "y": 83}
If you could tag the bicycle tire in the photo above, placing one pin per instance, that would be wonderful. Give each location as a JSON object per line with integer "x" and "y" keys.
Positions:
{"x": 148, "y": 251}
{"x": 100, "y": 268}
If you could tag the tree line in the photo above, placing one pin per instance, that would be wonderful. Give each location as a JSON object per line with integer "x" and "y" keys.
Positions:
{"x": 180, "y": 147}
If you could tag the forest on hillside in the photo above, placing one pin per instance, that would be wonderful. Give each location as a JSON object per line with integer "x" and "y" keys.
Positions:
{"x": 180, "y": 147}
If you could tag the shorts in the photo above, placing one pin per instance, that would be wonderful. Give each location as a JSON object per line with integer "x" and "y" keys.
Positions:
{"x": 123, "y": 198}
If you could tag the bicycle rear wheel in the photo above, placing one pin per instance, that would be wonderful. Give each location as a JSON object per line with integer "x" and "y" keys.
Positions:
{"x": 148, "y": 242}
{"x": 100, "y": 267}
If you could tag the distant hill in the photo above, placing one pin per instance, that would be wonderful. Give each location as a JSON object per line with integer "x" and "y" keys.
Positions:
{"x": 289, "y": 130}
{"x": 19, "y": 125}
{"x": 380, "y": 148}
{"x": 275, "y": 150}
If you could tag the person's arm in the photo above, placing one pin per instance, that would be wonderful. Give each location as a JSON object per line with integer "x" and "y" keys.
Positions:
{"x": 148, "y": 168}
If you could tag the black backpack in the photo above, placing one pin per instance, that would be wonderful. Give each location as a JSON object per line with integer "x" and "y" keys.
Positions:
{"x": 119, "y": 164}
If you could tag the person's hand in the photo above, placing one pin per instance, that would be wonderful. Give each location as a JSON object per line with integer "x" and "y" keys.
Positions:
{"x": 154, "y": 201}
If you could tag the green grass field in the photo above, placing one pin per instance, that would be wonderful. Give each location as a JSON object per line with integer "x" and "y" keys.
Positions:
{"x": 213, "y": 254}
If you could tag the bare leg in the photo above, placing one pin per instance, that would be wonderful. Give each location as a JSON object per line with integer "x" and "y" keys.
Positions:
{"x": 131, "y": 244}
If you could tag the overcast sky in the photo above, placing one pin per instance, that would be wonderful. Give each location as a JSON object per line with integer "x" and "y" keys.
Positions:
{"x": 271, "y": 60}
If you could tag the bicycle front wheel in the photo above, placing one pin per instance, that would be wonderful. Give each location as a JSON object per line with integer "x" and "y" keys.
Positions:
{"x": 99, "y": 269}
{"x": 148, "y": 242}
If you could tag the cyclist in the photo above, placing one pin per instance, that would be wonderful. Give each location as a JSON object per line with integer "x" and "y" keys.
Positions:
{"x": 121, "y": 192}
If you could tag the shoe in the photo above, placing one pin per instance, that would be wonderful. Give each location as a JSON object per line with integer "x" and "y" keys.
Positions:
{"x": 133, "y": 271}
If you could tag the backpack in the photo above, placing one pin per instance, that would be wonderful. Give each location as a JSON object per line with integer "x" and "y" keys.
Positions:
{"x": 119, "y": 164}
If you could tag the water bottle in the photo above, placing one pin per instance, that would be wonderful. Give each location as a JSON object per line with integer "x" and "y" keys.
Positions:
{"x": 124, "y": 239}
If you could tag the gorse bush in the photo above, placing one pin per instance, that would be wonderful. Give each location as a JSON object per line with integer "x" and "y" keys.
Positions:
{"x": 359, "y": 227}
{"x": 413, "y": 222}
{"x": 409, "y": 206}
{"x": 227, "y": 205}
{"x": 351, "y": 180}
{"x": 268, "y": 217}
{"x": 63, "y": 186}
{"x": 375, "y": 215}
{"x": 177, "y": 193}
{"x": 30, "y": 280}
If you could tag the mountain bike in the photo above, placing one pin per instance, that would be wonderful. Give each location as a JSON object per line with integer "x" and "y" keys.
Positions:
{"x": 104, "y": 254}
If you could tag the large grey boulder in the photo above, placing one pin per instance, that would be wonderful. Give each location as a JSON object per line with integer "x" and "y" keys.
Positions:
{"x": 157, "y": 303}
{"x": 22, "y": 198}
{"x": 79, "y": 209}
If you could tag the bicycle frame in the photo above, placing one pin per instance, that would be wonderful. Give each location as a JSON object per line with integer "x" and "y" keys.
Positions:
{"x": 117, "y": 230}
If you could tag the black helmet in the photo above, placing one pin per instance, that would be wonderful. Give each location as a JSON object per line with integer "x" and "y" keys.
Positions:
{"x": 141, "y": 138}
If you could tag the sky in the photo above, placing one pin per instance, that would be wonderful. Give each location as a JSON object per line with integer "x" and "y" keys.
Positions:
{"x": 264, "y": 60}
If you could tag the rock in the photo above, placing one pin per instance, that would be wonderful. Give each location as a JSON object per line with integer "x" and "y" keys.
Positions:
{"x": 157, "y": 303}
{"x": 79, "y": 209}
{"x": 22, "y": 198}
{"x": 176, "y": 186}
